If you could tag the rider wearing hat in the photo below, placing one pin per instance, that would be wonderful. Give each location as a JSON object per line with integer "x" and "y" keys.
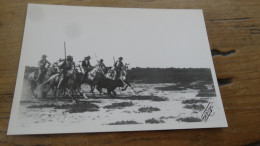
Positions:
{"x": 86, "y": 64}
{"x": 118, "y": 67}
{"x": 101, "y": 63}
{"x": 42, "y": 66}
{"x": 67, "y": 69}
{"x": 54, "y": 68}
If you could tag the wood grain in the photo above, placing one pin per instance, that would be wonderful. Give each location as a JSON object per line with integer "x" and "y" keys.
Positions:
{"x": 231, "y": 25}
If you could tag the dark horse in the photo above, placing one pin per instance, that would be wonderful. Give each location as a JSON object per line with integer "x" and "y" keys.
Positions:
{"x": 93, "y": 77}
{"x": 123, "y": 77}
{"x": 73, "y": 84}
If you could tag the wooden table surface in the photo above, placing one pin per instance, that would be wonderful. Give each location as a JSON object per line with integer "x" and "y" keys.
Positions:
{"x": 234, "y": 34}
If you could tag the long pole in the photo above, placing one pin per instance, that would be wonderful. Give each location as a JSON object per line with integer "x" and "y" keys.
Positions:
{"x": 114, "y": 59}
{"x": 96, "y": 57}
{"x": 65, "y": 51}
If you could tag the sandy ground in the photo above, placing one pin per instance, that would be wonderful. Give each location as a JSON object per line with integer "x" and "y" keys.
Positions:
{"x": 122, "y": 109}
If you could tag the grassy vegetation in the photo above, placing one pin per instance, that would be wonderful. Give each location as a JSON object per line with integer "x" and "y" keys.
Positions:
{"x": 148, "y": 109}
{"x": 189, "y": 119}
{"x": 153, "y": 121}
{"x": 124, "y": 123}
{"x": 206, "y": 93}
{"x": 169, "y": 117}
{"x": 80, "y": 107}
{"x": 119, "y": 105}
{"x": 199, "y": 85}
{"x": 152, "y": 98}
{"x": 183, "y": 86}
{"x": 193, "y": 101}
{"x": 198, "y": 107}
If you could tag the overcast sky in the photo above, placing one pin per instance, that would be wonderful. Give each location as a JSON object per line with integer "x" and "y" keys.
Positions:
{"x": 143, "y": 37}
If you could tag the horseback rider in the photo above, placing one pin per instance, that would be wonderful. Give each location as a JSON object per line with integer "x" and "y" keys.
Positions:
{"x": 86, "y": 64}
{"x": 54, "y": 68}
{"x": 67, "y": 69}
{"x": 101, "y": 64}
{"x": 118, "y": 67}
{"x": 42, "y": 67}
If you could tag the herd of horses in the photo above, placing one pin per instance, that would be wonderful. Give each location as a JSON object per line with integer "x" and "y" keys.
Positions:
{"x": 72, "y": 84}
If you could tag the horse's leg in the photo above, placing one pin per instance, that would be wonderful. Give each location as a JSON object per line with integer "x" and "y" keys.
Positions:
{"x": 47, "y": 88}
{"x": 99, "y": 90}
{"x": 55, "y": 92}
{"x": 33, "y": 88}
{"x": 128, "y": 84}
{"x": 109, "y": 93}
{"x": 92, "y": 88}
{"x": 64, "y": 92}
{"x": 60, "y": 91}
{"x": 72, "y": 95}
{"x": 78, "y": 89}
{"x": 52, "y": 87}
{"x": 119, "y": 89}
{"x": 43, "y": 91}
{"x": 72, "y": 92}
{"x": 114, "y": 93}
{"x": 84, "y": 95}
{"x": 125, "y": 83}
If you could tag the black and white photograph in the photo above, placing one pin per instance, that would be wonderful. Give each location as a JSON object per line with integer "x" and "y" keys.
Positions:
{"x": 97, "y": 69}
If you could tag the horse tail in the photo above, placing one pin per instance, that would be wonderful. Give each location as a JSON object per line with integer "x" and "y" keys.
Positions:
{"x": 50, "y": 79}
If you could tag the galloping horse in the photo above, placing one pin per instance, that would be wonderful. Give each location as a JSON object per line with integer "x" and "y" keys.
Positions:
{"x": 32, "y": 77}
{"x": 74, "y": 81}
{"x": 123, "y": 76}
{"x": 93, "y": 76}
{"x": 51, "y": 83}
{"x": 74, "y": 84}
{"x": 71, "y": 84}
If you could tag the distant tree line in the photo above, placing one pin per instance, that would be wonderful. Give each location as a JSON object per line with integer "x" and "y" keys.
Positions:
{"x": 29, "y": 69}
{"x": 170, "y": 75}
